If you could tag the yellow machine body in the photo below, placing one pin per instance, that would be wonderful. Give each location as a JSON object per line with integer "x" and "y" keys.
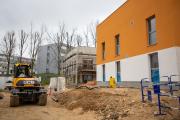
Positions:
{"x": 26, "y": 87}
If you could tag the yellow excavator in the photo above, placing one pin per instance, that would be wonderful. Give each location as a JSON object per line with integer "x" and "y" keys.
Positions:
{"x": 26, "y": 87}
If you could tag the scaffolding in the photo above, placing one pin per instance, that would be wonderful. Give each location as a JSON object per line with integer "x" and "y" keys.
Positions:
{"x": 79, "y": 66}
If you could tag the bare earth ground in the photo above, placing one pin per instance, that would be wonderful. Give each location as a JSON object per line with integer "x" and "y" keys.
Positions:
{"x": 51, "y": 111}
{"x": 97, "y": 104}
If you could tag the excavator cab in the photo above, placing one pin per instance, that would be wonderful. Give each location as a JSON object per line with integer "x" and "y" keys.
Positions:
{"x": 26, "y": 87}
{"x": 23, "y": 70}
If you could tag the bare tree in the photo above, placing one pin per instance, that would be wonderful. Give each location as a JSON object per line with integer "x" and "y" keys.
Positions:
{"x": 8, "y": 48}
{"x": 22, "y": 48}
{"x": 92, "y": 29}
{"x": 35, "y": 42}
{"x": 79, "y": 40}
{"x": 70, "y": 39}
{"x": 86, "y": 36}
{"x": 58, "y": 39}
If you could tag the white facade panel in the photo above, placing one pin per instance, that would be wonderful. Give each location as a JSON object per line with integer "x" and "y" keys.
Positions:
{"x": 168, "y": 62}
{"x": 178, "y": 59}
{"x": 135, "y": 68}
{"x": 138, "y": 67}
{"x": 99, "y": 73}
{"x": 3, "y": 81}
{"x": 110, "y": 70}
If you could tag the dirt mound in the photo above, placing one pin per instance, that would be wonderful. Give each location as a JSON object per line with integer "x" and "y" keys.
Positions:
{"x": 114, "y": 104}
{"x": 1, "y": 96}
{"x": 106, "y": 104}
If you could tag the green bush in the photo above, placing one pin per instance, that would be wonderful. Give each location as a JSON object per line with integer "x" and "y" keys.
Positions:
{"x": 45, "y": 77}
{"x": 1, "y": 90}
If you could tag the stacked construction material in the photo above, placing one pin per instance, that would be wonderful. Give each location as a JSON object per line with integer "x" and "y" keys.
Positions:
{"x": 57, "y": 84}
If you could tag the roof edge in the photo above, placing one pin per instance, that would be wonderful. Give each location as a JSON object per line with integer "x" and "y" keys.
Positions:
{"x": 107, "y": 18}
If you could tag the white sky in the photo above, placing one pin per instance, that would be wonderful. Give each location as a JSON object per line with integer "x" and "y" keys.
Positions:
{"x": 18, "y": 14}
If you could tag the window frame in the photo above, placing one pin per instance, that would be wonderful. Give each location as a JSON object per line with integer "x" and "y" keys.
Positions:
{"x": 148, "y": 21}
{"x": 103, "y": 50}
{"x": 117, "y": 40}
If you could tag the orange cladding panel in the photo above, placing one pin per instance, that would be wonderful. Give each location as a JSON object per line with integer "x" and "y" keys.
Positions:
{"x": 130, "y": 22}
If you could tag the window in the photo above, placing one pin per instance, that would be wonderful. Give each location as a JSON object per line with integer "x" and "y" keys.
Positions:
{"x": 103, "y": 68}
{"x": 118, "y": 66}
{"x": 103, "y": 50}
{"x": 118, "y": 70}
{"x": 87, "y": 64}
{"x": 48, "y": 48}
{"x": 47, "y": 70}
{"x": 47, "y": 61}
{"x": 151, "y": 30}
{"x": 154, "y": 61}
{"x": 48, "y": 57}
{"x": 117, "y": 44}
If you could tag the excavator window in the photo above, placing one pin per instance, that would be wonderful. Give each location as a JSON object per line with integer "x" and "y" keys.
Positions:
{"x": 22, "y": 71}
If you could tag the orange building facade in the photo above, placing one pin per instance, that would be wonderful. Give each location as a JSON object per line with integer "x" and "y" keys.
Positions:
{"x": 140, "y": 39}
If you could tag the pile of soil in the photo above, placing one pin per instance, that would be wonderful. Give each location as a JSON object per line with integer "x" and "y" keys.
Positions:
{"x": 1, "y": 96}
{"x": 108, "y": 105}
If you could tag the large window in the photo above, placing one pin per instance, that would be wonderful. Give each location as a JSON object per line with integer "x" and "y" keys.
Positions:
{"x": 103, "y": 50}
{"x": 154, "y": 61}
{"x": 151, "y": 30}
{"x": 117, "y": 44}
{"x": 48, "y": 57}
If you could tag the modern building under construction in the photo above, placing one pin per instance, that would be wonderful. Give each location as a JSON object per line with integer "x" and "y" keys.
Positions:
{"x": 79, "y": 65}
{"x": 140, "y": 39}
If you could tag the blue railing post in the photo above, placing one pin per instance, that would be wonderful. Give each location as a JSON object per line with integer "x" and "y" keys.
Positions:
{"x": 170, "y": 85}
{"x": 159, "y": 104}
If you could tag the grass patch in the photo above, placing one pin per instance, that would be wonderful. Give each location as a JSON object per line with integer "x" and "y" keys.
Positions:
{"x": 1, "y": 90}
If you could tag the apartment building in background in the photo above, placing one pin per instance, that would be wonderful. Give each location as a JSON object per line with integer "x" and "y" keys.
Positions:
{"x": 14, "y": 59}
{"x": 47, "y": 61}
{"x": 140, "y": 39}
{"x": 79, "y": 65}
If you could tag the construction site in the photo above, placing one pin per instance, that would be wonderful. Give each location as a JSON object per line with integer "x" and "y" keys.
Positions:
{"x": 124, "y": 67}
{"x": 95, "y": 104}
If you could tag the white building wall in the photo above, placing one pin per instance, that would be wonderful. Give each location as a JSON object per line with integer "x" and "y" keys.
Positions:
{"x": 3, "y": 81}
{"x": 138, "y": 67}
{"x": 168, "y": 62}
{"x": 110, "y": 70}
{"x": 99, "y": 73}
{"x": 178, "y": 59}
{"x": 135, "y": 68}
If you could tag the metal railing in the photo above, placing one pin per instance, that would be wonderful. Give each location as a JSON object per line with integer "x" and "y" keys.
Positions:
{"x": 146, "y": 83}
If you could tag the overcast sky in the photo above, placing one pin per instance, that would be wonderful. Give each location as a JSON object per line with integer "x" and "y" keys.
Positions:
{"x": 18, "y": 14}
